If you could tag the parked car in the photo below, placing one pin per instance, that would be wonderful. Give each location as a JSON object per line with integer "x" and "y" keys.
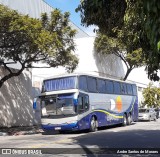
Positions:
{"x": 157, "y": 112}
{"x": 147, "y": 114}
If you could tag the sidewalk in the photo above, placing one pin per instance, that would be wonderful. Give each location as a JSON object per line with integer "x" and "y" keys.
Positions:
{"x": 15, "y": 131}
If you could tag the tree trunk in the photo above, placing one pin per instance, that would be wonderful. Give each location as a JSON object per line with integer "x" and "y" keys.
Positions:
{"x": 10, "y": 75}
{"x": 127, "y": 73}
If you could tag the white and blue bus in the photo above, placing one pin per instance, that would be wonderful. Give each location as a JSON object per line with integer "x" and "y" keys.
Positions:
{"x": 81, "y": 101}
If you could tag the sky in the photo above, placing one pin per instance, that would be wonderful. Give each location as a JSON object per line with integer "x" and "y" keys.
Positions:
{"x": 70, "y": 6}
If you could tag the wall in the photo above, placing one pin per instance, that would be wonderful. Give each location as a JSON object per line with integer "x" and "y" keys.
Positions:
{"x": 97, "y": 64}
{"x": 89, "y": 62}
{"x": 16, "y": 101}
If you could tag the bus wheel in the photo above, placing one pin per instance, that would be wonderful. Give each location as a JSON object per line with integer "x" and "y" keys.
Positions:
{"x": 124, "y": 120}
{"x": 129, "y": 119}
{"x": 93, "y": 125}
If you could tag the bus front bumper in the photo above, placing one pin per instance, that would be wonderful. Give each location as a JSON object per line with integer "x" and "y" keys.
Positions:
{"x": 66, "y": 126}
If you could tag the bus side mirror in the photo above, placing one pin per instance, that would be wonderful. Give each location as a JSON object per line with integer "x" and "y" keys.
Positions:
{"x": 35, "y": 103}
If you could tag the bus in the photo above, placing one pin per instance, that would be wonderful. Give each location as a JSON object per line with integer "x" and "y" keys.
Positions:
{"x": 81, "y": 101}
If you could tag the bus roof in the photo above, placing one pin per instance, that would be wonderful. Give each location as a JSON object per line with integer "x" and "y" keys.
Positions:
{"x": 85, "y": 74}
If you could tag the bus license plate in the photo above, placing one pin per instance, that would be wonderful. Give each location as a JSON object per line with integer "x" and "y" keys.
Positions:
{"x": 57, "y": 128}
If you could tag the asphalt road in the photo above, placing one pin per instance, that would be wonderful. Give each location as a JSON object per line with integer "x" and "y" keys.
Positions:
{"x": 131, "y": 138}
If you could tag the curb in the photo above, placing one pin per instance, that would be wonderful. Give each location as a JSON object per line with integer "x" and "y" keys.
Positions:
{"x": 19, "y": 132}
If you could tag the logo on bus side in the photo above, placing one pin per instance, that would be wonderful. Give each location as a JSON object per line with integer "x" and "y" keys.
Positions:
{"x": 116, "y": 104}
{"x": 119, "y": 104}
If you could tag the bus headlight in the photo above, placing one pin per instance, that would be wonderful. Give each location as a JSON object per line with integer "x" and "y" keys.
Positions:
{"x": 72, "y": 122}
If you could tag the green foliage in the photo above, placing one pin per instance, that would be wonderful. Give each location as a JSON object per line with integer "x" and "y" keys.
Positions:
{"x": 135, "y": 21}
{"x": 151, "y": 21}
{"x": 151, "y": 96}
{"x": 125, "y": 42}
{"x": 26, "y": 40}
{"x": 103, "y": 13}
{"x": 131, "y": 57}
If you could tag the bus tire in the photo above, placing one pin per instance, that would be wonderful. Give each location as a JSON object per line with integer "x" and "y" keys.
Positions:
{"x": 129, "y": 119}
{"x": 93, "y": 124}
{"x": 125, "y": 120}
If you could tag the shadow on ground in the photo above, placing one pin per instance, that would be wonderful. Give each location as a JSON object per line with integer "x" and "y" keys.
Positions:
{"x": 103, "y": 142}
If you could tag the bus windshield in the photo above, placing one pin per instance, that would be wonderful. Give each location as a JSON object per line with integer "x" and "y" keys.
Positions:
{"x": 53, "y": 106}
{"x": 59, "y": 84}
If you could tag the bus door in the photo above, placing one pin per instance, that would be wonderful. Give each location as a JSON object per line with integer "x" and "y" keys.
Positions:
{"x": 83, "y": 107}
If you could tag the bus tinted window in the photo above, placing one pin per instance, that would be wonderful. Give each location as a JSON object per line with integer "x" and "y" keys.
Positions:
{"x": 83, "y": 83}
{"x": 134, "y": 89}
{"x": 60, "y": 84}
{"x": 101, "y": 86}
{"x": 92, "y": 84}
{"x": 129, "y": 89}
{"x": 123, "y": 88}
{"x": 117, "y": 88}
{"x": 109, "y": 87}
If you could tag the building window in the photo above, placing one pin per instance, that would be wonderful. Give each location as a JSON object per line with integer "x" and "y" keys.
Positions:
{"x": 140, "y": 89}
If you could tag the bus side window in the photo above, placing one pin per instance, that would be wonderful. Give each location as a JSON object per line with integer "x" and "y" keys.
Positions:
{"x": 129, "y": 89}
{"x": 109, "y": 87}
{"x": 83, "y": 83}
{"x": 92, "y": 84}
{"x": 80, "y": 104}
{"x": 86, "y": 102}
{"x": 83, "y": 103}
{"x": 117, "y": 88}
{"x": 123, "y": 88}
{"x": 134, "y": 89}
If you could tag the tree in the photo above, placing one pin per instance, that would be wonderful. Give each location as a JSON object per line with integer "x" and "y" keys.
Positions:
{"x": 131, "y": 57}
{"x": 103, "y": 13}
{"x": 150, "y": 15}
{"x": 151, "y": 96}
{"x": 114, "y": 14}
{"x": 122, "y": 41}
{"x": 26, "y": 40}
